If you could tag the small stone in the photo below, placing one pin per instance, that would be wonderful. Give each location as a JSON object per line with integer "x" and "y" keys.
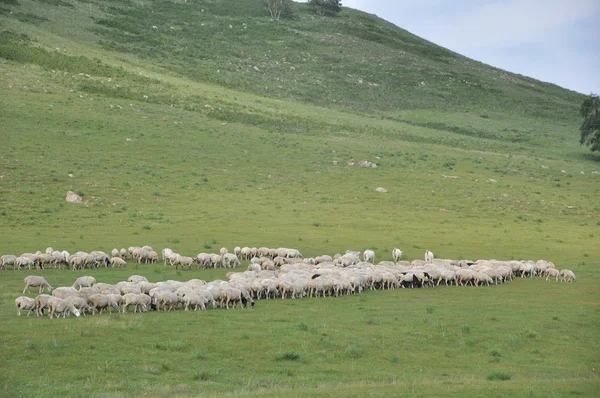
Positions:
{"x": 72, "y": 197}
{"x": 381, "y": 189}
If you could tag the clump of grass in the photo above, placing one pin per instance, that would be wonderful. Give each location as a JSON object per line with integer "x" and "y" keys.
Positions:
{"x": 287, "y": 356}
{"x": 175, "y": 240}
{"x": 394, "y": 358}
{"x": 201, "y": 376}
{"x": 165, "y": 367}
{"x": 495, "y": 353}
{"x": 429, "y": 310}
{"x": 147, "y": 226}
{"x": 352, "y": 352}
{"x": 499, "y": 376}
{"x": 207, "y": 246}
{"x": 555, "y": 318}
{"x": 466, "y": 329}
{"x": 303, "y": 326}
{"x": 316, "y": 224}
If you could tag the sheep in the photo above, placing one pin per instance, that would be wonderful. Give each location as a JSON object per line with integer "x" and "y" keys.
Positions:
{"x": 8, "y": 259}
{"x": 64, "y": 292}
{"x": 245, "y": 253}
{"x": 36, "y": 281}
{"x": 122, "y": 253}
{"x": 140, "y": 301}
{"x": 43, "y": 259}
{"x": 24, "y": 261}
{"x": 204, "y": 260}
{"x": 184, "y": 261}
{"x": 86, "y": 292}
{"x": 230, "y": 260}
{"x": 397, "y": 254}
{"x": 49, "y": 250}
{"x": 58, "y": 306}
{"x": 369, "y": 256}
{"x": 566, "y": 275}
{"x": 223, "y": 251}
{"x": 195, "y": 301}
{"x": 41, "y": 302}
{"x": 323, "y": 259}
{"x": 58, "y": 259}
{"x": 115, "y": 253}
{"x": 24, "y": 303}
{"x": 99, "y": 302}
{"x": 152, "y": 257}
{"x": 137, "y": 278}
{"x": 552, "y": 272}
{"x": 237, "y": 251}
{"x": 84, "y": 281}
{"x": 114, "y": 300}
{"x": 254, "y": 267}
{"x": 166, "y": 298}
{"x": 79, "y": 303}
{"x": 118, "y": 261}
{"x": 429, "y": 256}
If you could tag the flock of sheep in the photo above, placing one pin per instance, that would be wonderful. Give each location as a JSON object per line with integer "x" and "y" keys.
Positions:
{"x": 272, "y": 273}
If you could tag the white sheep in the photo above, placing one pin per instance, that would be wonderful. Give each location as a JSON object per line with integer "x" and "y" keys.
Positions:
{"x": 115, "y": 253}
{"x": 84, "y": 281}
{"x": 24, "y": 303}
{"x": 429, "y": 256}
{"x": 36, "y": 281}
{"x": 566, "y": 275}
{"x": 64, "y": 292}
{"x": 8, "y": 259}
{"x": 123, "y": 253}
{"x": 140, "y": 301}
{"x": 58, "y": 306}
{"x": 223, "y": 251}
{"x": 369, "y": 256}
{"x": 41, "y": 302}
{"x": 552, "y": 272}
{"x": 118, "y": 261}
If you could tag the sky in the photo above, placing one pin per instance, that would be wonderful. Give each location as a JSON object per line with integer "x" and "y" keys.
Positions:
{"x": 555, "y": 41}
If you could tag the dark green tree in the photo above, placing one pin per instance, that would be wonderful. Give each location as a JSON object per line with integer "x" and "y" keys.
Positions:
{"x": 590, "y": 129}
{"x": 326, "y": 7}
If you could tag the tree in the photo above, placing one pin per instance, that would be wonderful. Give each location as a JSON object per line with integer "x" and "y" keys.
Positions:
{"x": 590, "y": 129}
{"x": 326, "y": 7}
{"x": 277, "y": 7}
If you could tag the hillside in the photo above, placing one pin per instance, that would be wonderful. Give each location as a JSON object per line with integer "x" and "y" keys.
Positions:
{"x": 203, "y": 124}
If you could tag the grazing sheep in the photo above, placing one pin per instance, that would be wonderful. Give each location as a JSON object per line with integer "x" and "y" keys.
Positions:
{"x": 84, "y": 281}
{"x": 36, "y": 281}
{"x": 100, "y": 302}
{"x": 566, "y": 275}
{"x": 58, "y": 306}
{"x": 223, "y": 251}
{"x": 118, "y": 261}
{"x": 64, "y": 292}
{"x": 49, "y": 250}
{"x": 369, "y": 256}
{"x": 24, "y": 303}
{"x": 8, "y": 259}
{"x": 79, "y": 303}
{"x": 552, "y": 272}
{"x": 152, "y": 257}
{"x": 24, "y": 261}
{"x": 115, "y": 253}
{"x": 122, "y": 253}
{"x": 41, "y": 302}
{"x": 429, "y": 256}
{"x": 137, "y": 278}
{"x": 140, "y": 301}
{"x": 230, "y": 260}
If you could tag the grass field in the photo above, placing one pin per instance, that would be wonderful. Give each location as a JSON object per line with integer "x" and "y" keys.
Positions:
{"x": 174, "y": 139}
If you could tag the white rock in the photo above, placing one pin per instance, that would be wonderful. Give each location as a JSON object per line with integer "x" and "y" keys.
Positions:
{"x": 381, "y": 189}
{"x": 72, "y": 197}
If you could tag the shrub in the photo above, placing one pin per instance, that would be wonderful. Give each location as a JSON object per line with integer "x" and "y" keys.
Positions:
{"x": 499, "y": 376}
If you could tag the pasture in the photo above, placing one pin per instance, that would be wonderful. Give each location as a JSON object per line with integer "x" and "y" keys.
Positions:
{"x": 213, "y": 158}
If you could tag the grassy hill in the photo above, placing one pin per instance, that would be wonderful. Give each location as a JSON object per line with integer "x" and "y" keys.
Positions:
{"x": 197, "y": 125}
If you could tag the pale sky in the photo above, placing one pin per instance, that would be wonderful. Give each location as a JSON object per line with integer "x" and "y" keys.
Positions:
{"x": 556, "y": 41}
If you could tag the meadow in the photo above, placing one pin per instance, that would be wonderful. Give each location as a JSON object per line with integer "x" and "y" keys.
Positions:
{"x": 173, "y": 139}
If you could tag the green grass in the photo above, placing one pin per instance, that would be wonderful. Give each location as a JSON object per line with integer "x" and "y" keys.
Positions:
{"x": 175, "y": 140}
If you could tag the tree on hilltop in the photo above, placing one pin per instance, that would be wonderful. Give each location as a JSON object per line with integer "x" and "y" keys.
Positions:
{"x": 278, "y": 7}
{"x": 326, "y": 7}
{"x": 590, "y": 129}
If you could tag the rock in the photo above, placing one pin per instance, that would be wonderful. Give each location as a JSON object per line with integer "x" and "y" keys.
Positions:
{"x": 381, "y": 189}
{"x": 563, "y": 172}
{"x": 72, "y": 197}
